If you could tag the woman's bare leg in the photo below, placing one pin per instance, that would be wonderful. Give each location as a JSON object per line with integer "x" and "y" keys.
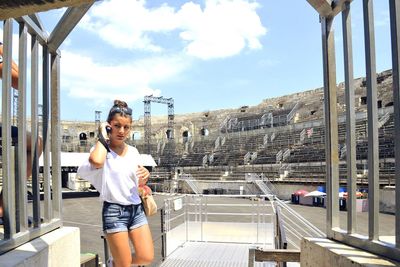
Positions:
{"x": 120, "y": 249}
{"x": 143, "y": 244}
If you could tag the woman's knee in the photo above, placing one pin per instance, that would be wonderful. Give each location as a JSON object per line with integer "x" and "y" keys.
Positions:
{"x": 145, "y": 258}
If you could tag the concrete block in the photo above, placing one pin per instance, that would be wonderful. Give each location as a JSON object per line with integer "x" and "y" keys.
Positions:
{"x": 59, "y": 248}
{"x": 323, "y": 252}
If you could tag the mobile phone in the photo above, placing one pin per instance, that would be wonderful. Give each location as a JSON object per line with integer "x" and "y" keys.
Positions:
{"x": 108, "y": 129}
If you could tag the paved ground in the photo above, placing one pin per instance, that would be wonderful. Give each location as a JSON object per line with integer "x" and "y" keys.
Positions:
{"x": 85, "y": 213}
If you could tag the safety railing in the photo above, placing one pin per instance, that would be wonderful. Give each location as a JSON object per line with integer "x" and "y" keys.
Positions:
{"x": 222, "y": 218}
{"x": 18, "y": 227}
{"x": 18, "y": 161}
{"x": 328, "y": 10}
{"x": 296, "y": 227}
{"x": 280, "y": 253}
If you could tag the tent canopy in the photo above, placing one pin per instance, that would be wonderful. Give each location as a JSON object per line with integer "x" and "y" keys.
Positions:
{"x": 73, "y": 159}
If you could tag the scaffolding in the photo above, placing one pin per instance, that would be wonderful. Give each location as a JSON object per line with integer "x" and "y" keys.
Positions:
{"x": 147, "y": 118}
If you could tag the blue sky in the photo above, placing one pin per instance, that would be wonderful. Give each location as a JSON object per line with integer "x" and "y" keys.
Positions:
{"x": 206, "y": 54}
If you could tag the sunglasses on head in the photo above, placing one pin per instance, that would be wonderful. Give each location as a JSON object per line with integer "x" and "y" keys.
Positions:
{"x": 127, "y": 111}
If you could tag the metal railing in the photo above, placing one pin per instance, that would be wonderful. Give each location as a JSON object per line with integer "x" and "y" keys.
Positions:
{"x": 327, "y": 11}
{"x": 280, "y": 254}
{"x": 296, "y": 226}
{"x": 46, "y": 214}
{"x": 14, "y": 161}
{"x": 194, "y": 218}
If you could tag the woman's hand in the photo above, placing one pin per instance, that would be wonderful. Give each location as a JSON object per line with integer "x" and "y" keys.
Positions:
{"x": 143, "y": 175}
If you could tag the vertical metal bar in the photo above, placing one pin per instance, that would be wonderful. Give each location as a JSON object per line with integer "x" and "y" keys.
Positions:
{"x": 187, "y": 218}
{"x": 55, "y": 134}
{"x": 395, "y": 34}
{"x": 22, "y": 159}
{"x": 258, "y": 220}
{"x": 331, "y": 124}
{"x": 372, "y": 107}
{"x": 252, "y": 257}
{"x": 350, "y": 120}
{"x": 163, "y": 234}
{"x": 46, "y": 136}
{"x": 106, "y": 253}
{"x": 252, "y": 209}
{"x": 205, "y": 210}
{"x": 34, "y": 130}
{"x": 201, "y": 217}
{"x": 8, "y": 196}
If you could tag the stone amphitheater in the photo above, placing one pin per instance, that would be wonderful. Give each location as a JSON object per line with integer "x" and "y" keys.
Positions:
{"x": 281, "y": 140}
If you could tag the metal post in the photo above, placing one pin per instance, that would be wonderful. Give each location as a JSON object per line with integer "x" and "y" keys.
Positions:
{"x": 163, "y": 235}
{"x": 147, "y": 123}
{"x": 8, "y": 196}
{"x": 201, "y": 217}
{"x": 350, "y": 120}
{"x": 331, "y": 124}
{"x": 106, "y": 252}
{"x": 34, "y": 130}
{"x": 22, "y": 158}
{"x": 395, "y": 34}
{"x": 55, "y": 134}
{"x": 372, "y": 107}
{"x": 46, "y": 136}
{"x": 252, "y": 257}
{"x": 171, "y": 118}
{"x": 187, "y": 218}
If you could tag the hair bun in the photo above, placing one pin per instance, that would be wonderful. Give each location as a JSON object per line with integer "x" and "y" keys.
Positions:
{"x": 120, "y": 103}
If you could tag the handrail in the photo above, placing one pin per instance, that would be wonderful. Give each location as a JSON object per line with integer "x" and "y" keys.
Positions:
{"x": 300, "y": 218}
{"x": 194, "y": 212}
{"x": 280, "y": 234}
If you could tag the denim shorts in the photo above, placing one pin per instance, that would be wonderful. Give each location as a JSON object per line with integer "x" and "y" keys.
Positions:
{"x": 122, "y": 218}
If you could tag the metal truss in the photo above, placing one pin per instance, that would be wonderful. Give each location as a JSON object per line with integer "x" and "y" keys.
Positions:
{"x": 147, "y": 117}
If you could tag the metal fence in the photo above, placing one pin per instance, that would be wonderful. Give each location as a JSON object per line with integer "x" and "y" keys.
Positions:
{"x": 328, "y": 10}
{"x": 44, "y": 58}
{"x": 45, "y": 217}
{"x": 219, "y": 218}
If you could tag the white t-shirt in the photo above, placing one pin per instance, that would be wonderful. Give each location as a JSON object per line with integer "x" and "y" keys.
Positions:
{"x": 117, "y": 180}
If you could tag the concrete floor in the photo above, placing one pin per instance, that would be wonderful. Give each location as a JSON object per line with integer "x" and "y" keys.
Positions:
{"x": 85, "y": 213}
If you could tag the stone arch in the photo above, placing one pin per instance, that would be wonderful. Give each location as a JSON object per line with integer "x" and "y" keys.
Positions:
{"x": 204, "y": 131}
{"x": 82, "y": 139}
{"x": 186, "y": 135}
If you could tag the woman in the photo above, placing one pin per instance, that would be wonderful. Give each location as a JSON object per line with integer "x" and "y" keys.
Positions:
{"x": 113, "y": 168}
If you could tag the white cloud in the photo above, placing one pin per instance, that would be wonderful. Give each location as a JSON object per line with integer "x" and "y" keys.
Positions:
{"x": 223, "y": 28}
{"x": 85, "y": 78}
{"x": 126, "y": 24}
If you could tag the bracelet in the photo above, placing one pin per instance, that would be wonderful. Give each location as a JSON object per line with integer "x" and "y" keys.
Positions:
{"x": 103, "y": 141}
